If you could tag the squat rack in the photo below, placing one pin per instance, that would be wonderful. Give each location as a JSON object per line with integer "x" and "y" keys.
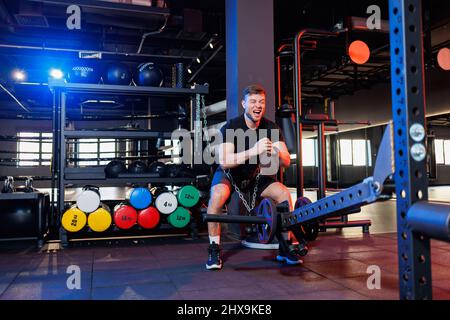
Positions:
{"x": 408, "y": 110}
{"x": 403, "y": 144}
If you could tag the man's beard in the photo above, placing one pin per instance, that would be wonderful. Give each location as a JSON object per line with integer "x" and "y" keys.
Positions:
{"x": 250, "y": 117}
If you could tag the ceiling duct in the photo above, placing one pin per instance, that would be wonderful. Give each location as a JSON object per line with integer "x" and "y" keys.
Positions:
{"x": 30, "y": 15}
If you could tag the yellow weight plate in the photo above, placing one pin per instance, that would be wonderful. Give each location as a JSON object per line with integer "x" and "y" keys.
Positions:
{"x": 73, "y": 219}
{"x": 99, "y": 220}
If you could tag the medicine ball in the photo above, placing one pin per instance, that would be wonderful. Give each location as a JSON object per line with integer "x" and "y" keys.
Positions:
{"x": 137, "y": 166}
{"x": 113, "y": 168}
{"x": 89, "y": 199}
{"x": 147, "y": 74}
{"x": 157, "y": 167}
{"x": 179, "y": 171}
{"x": 84, "y": 72}
{"x": 117, "y": 73}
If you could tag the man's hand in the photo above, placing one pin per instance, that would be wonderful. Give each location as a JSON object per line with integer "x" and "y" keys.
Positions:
{"x": 263, "y": 146}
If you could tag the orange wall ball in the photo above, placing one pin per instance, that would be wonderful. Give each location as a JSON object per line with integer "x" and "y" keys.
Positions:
{"x": 443, "y": 58}
{"x": 359, "y": 52}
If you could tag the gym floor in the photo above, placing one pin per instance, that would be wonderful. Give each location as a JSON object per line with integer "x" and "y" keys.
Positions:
{"x": 173, "y": 268}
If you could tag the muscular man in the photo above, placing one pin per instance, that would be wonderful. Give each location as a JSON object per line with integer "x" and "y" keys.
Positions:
{"x": 243, "y": 171}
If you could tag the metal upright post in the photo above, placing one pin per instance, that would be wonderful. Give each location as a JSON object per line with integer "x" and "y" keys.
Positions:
{"x": 298, "y": 114}
{"x": 408, "y": 108}
{"x": 55, "y": 159}
{"x": 298, "y": 98}
{"x": 61, "y": 160}
{"x": 198, "y": 154}
{"x": 321, "y": 152}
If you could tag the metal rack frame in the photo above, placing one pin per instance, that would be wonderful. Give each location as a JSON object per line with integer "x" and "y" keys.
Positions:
{"x": 408, "y": 108}
{"x": 61, "y": 90}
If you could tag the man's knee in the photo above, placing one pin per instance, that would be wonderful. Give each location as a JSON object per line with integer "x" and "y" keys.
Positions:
{"x": 219, "y": 195}
{"x": 284, "y": 193}
{"x": 278, "y": 192}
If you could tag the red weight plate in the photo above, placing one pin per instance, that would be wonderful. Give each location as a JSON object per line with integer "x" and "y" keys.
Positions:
{"x": 148, "y": 218}
{"x": 125, "y": 217}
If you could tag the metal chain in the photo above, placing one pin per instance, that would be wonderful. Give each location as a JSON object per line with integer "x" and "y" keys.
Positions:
{"x": 205, "y": 125}
{"x": 241, "y": 195}
{"x": 227, "y": 171}
{"x": 198, "y": 129}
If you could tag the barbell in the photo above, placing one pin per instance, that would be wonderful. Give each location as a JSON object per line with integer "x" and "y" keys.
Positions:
{"x": 267, "y": 220}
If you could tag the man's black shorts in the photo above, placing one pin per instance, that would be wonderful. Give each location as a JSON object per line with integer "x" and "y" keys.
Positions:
{"x": 263, "y": 183}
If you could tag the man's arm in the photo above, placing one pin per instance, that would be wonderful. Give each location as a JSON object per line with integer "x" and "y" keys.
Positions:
{"x": 228, "y": 159}
{"x": 283, "y": 153}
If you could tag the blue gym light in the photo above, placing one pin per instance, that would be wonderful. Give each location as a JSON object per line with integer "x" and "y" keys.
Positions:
{"x": 19, "y": 75}
{"x": 56, "y": 74}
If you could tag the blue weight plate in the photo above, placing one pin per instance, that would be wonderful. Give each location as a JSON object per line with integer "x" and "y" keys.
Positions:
{"x": 267, "y": 210}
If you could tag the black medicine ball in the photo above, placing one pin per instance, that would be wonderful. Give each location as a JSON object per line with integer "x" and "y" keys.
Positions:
{"x": 147, "y": 74}
{"x": 137, "y": 166}
{"x": 84, "y": 72}
{"x": 157, "y": 167}
{"x": 117, "y": 73}
{"x": 113, "y": 168}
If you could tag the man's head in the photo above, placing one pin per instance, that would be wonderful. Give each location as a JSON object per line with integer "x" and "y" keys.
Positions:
{"x": 254, "y": 102}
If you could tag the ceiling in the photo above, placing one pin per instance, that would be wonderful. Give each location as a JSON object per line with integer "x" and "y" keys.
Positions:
{"x": 34, "y": 36}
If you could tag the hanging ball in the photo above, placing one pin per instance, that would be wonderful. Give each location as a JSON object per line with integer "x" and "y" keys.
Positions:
{"x": 443, "y": 58}
{"x": 359, "y": 52}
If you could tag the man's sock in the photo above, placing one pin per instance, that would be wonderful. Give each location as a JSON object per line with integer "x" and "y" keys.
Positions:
{"x": 215, "y": 239}
{"x": 286, "y": 236}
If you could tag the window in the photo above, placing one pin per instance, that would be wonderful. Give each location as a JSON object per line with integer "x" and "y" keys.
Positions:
{"x": 359, "y": 152}
{"x": 35, "y": 151}
{"x": 95, "y": 149}
{"x": 439, "y": 151}
{"x": 356, "y": 152}
{"x": 442, "y": 151}
{"x": 309, "y": 152}
{"x": 345, "y": 149}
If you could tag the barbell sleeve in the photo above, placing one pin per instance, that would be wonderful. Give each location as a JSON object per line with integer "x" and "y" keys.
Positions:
{"x": 431, "y": 219}
{"x": 233, "y": 219}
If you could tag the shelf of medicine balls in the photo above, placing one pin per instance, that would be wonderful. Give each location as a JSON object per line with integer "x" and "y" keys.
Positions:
{"x": 136, "y": 231}
{"x": 64, "y": 179}
{"x": 124, "y": 89}
{"x": 113, "y": 182}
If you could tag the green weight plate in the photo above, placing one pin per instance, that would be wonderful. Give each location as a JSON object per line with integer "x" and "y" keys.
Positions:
{"x": 179, "y": 218}
{"x": 188, "y": 196}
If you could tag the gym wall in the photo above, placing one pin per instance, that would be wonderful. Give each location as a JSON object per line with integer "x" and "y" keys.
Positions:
{"x": 374, "y": 105}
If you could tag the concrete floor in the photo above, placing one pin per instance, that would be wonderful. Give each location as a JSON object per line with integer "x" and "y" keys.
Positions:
{"x": 173, "y": 268}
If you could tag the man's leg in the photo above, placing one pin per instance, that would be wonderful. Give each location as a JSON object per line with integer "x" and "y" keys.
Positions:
{"x": 218, "y": 197}
{"x": 220, "y": 192}
{"x": 279, "y": 193}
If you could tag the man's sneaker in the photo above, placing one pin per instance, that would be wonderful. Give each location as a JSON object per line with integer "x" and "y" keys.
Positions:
{"x": 285, "y": 254}
{"x": 299, "y": 249}
{"x": 214, "y": 257}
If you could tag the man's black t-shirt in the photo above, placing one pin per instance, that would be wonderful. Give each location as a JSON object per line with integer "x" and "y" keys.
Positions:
{"x": 266, "y": 128}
